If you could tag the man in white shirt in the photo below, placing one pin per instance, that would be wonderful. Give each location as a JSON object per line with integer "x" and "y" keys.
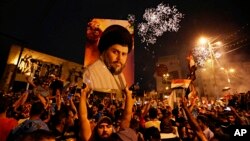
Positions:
{"x": 105, "y": 74}
{"x": 204, "y": 122}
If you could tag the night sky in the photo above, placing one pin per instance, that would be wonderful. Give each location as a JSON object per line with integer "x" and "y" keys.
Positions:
{"x": 57, "y": 27}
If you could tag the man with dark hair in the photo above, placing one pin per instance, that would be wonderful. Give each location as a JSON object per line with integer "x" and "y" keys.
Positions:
{"x": 55, "y": 84}
{"x": 153, "y": 120}
{"x": 95, "y": 112}
{"x": 152, "y": 134}
{"x": 204, "y": 124}
{"x": 32, "y": 124}
{"x": 39, "y": 135}
{"x": 62, "y": 125}
{"x": 106, "y": 72}
{"x": 103, "y": 131}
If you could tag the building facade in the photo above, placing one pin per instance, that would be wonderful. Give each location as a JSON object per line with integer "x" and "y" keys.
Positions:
{"x": 164, "y": 77}
{"x": 23, "y": 62}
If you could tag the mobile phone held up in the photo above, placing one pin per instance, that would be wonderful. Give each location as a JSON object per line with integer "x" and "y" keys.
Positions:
{"x": 69, "y": 96}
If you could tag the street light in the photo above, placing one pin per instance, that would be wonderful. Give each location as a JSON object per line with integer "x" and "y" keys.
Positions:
{"x": 231, "y": 70}
{"x": 207, "y": 54}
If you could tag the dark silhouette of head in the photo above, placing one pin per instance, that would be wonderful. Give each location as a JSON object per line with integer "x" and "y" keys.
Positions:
{"x": 115, "y": 34}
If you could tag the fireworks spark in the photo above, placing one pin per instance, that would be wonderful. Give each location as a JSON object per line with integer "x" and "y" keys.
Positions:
{"x": 158, "y": 20}
{"x": 201, "y": 55}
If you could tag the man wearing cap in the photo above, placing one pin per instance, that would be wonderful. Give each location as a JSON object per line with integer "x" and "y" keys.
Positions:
{"x": 106, "y": 73}
{"x": 104, "y": 129}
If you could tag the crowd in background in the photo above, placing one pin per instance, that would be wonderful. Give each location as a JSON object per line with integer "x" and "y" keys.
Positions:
{"x": 60, "y": 115}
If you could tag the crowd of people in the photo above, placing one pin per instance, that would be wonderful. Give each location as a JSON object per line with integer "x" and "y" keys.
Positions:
{"x": 51, "y": 111}
{"x": 85, "y": 116}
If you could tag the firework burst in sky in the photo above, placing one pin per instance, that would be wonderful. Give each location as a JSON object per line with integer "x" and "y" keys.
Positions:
{"x": 201, "y": 55}
{"x": 158, "y": 20}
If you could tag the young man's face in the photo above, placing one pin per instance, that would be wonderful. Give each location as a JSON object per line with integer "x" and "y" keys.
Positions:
{"x": 231, "y": 118}
{"x": 94, "y": 109}
{"x": 115, "y": 58}
{"x": 104, "y": 130}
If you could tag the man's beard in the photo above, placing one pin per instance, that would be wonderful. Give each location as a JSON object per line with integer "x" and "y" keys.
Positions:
{"x": 107, "y": 137}
{"x": 113, "y": 69}
{"x": 116, "y": 70}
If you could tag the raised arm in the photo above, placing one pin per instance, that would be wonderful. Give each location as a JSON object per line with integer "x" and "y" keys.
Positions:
{"x": 30, "y": 81}
{"x": 145, "y": 109}
{"x": 42, "y": 99}
{"x": 73, "y": 107}
{"x": 193, "y": 122}
{"x": 191, "y": 107}
{"x": 242, "y": 122}
{"x": 127, "y": 114}
{"x": 58, "y": 100}
{"x": 21, "y": 100}
{"x": 85, "y": 127}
